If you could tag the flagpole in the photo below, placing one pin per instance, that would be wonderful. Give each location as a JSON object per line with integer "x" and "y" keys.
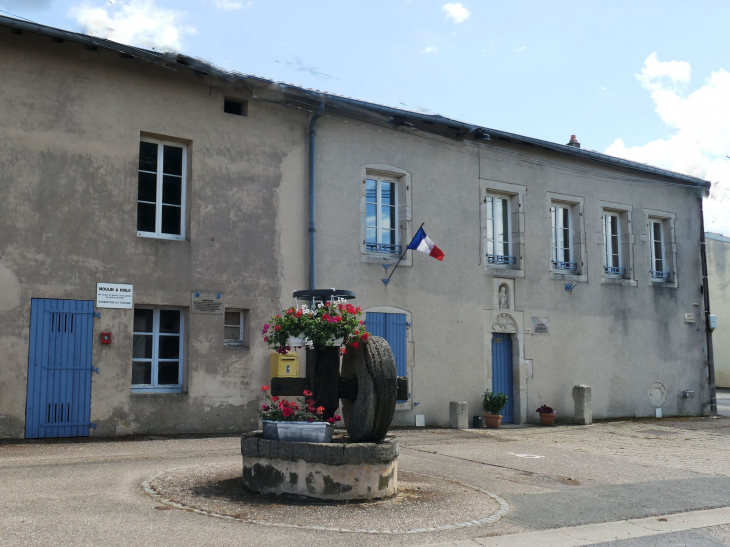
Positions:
{"x": 386, "y": 281}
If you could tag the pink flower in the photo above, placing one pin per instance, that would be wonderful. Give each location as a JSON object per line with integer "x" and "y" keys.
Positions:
{"x": 266, "y": 328}
{"x": 265, "y": 408}
{"x": 286, "y": 411}
{"x": 337, "y": 417}
{"x": 355, "y": 345}
{"x": 265, "y": 388}
{"x": 277, "y": 327}
{"x": 365, "y": 336}
{"x": 331, "y": 420}
{"x": 310, "y": 420}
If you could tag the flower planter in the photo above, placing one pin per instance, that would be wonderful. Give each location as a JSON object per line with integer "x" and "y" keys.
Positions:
{"x": 546, "y": 418}
{"x": 492, "y": 421}
{"x": 298, "y": 432}
{"x": 297, "y": 341}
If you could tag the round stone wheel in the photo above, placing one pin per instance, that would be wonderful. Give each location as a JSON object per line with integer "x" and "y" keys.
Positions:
{"x": 368, "y": 417}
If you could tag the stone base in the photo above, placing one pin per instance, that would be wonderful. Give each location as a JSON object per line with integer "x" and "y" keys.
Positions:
{"x": 331, "y": 471}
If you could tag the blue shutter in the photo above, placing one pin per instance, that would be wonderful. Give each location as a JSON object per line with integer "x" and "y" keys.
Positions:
{"x": 59, "y": 368}
{"x": 375, "y": 324}
{"x": 395, "y": 334}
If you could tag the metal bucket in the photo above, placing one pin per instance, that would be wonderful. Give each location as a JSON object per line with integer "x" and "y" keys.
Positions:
{"x": 298, "y": 432}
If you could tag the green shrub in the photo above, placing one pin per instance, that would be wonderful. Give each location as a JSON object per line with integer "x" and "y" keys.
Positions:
{"x": 493, "y": 402}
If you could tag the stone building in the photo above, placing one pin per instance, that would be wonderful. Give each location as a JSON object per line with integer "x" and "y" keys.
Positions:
{"x": 718, "y": 277}
{"x": 124, "y": 168}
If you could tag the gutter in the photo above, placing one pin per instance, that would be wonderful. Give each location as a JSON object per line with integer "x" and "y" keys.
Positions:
{"x": 708, "y": 330}
{"x": 312, "y": 198}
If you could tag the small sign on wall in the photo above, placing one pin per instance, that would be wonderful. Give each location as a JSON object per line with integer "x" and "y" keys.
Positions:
{"x": 207, "y": 302}
{"x": 540, "y": 325}
{"x": 114, "y": 295}
{"x": 689, "y": 317}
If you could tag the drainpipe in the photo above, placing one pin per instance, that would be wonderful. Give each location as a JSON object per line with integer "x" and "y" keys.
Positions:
{"x": 312, "y": 201}
{"x": 708, "y": 330}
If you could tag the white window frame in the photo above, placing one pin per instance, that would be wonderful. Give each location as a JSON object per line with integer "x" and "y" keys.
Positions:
{"x": 658, "y": 276}
{"x": 626, "y": 243}
{"x": 607, "y": 215}
{"x": 515, "y": 194}
{"x": 404, "y": 220}
{"x": 669, "y": 247}
{"x": 497, "y": 260}
{"x": 154, "y": 387}
{"x": 557, "y": 252}
{"x": 158, "y": 203}
{"x": 241, "y": 340}
{"x": 379, "y": 180}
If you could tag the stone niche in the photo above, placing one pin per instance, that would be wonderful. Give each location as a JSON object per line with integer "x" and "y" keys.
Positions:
{"x": 332, "y": 471}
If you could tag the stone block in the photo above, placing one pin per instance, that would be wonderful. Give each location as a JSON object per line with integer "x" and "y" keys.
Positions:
{"x": 583, "y": 405}
{"x": 458, "y": 415}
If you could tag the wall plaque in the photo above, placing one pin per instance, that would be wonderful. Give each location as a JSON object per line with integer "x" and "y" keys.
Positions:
{"x": 207, "y": 302}
{"x": 114, "y": 295}
{"x": 540, "y": 325}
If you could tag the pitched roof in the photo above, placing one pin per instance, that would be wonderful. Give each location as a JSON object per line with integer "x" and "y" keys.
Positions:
{"x": 285, "y": 92}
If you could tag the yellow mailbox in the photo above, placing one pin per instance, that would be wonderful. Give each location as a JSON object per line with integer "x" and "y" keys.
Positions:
{"x": 286, "y": 366}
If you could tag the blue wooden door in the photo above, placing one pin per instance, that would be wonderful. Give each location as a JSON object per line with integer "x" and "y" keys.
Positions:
{"x": 59, "y": 369}
{"x": 392, "y": 327}
{"x": 502, "y": 381}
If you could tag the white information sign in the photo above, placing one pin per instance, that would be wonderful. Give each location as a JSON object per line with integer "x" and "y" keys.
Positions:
{"x": 540, "y": 325}
{"x": 114, "y": 295}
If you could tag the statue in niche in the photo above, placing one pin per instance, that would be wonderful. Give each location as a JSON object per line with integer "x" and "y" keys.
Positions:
{"x": 503, "y": 298}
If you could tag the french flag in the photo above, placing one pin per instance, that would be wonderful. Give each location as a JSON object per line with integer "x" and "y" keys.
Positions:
{"x": 424, "y": 244}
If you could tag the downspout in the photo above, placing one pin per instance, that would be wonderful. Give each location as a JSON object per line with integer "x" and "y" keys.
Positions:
{"x": 312, "y": 201}
{"x": 708, "y": 330}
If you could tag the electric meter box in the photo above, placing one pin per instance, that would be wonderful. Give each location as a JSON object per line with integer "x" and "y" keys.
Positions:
{"x": 284, "y": 366}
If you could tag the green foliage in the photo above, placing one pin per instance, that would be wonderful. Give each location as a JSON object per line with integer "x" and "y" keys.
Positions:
{"x": 319, "y": 326}
{"x": 493, "y": 403}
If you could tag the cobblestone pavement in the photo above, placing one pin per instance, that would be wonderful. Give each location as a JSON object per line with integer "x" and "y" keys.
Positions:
{"x": 89, "y": 492}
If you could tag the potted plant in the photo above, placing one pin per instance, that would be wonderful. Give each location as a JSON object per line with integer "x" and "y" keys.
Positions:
{"x": 329, "y": 324}
{"x": 493, "y": 403}
{"x": 547, "y": 415}
{"x": 295, "y": 421}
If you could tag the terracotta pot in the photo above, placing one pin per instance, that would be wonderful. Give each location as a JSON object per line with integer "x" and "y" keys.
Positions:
{"x": 492, "y": 420}
{"x": 547, "y": 419}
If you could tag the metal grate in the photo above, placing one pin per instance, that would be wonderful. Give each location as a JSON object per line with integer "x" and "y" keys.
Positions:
{"x": 501, "y": 259}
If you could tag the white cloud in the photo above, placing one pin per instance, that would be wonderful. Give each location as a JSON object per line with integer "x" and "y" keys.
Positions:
{"x": 228, "y": 4}
{"x": 699, "y": 142}
{"x": 520, "y": 49}
{"x": 134, "y": 22}
{"x": 231, "y": 4}
{"x": 431, "y": 49}
{"x": 457, "y": 12}
{"x": 601, "y": 88}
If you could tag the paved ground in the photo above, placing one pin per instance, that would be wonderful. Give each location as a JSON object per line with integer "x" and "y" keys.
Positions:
{"x": 90, "y": 492}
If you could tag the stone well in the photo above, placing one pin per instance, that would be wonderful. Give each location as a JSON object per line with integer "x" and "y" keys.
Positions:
{"x": 332, "y": 471}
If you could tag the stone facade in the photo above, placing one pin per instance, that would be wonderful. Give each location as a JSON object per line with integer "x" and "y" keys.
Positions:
{"x": 72, "y": 120}
{"x": 718, "y": 278}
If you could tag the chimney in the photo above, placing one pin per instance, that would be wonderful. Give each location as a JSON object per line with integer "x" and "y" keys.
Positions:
{"x": 573, "y": 142}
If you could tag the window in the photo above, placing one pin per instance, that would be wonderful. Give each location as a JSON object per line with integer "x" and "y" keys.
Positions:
{"x": 658, "y": 272}
{"x": 612, "y": 244}
{"x": 234, "y": 322}
{"x": 381, "y": 224}
{"x": 161, "y": 189}
{"x": 157, "y": 350}
{"x": 234, "y": 106}
{"x": 562, "y": 238}
{"x": 502, "y": 221}
{"x": 499, "y": 245}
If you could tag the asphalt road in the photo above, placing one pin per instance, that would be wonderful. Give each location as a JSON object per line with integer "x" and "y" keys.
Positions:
{"x": 89, "y": 492}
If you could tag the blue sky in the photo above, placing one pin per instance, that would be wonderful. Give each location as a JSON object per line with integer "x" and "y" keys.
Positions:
{"x": 544, "y": 69}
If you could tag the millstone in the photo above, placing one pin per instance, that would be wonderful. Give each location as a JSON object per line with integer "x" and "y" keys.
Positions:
{"x": 368, "y": 417}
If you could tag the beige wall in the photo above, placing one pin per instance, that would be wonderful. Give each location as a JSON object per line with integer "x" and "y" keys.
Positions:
{"x": 718, "y": 276}
{"x": 70, "y": 122}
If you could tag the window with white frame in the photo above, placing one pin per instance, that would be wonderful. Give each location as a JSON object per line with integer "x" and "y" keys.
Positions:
{"x": 613, "y": 263}
{"x": 157, "y": 362}
{"x": 562, "y": 238}
{"x": 381, "y": 217}
{"x": 234, "y": 323}
{"x": 161, "y": 189}
{"x": 499, "y": 230}
{"x": 659, "y": 266}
